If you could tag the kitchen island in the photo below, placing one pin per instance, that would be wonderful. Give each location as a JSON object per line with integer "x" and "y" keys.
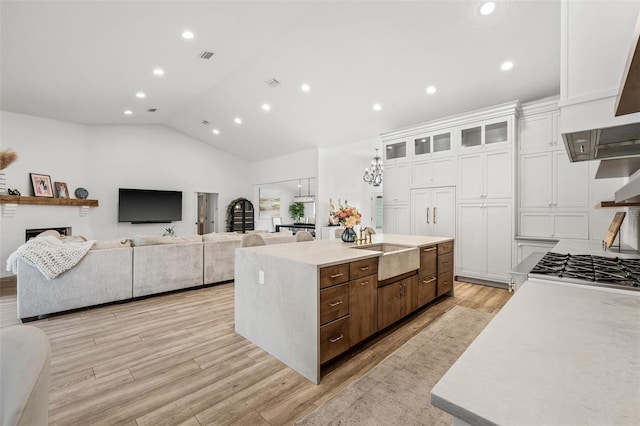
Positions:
{"x": 556, "y": 354}
{"x": 306, "y": 303}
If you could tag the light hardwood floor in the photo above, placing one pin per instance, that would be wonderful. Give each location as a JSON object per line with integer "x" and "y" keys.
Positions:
{"x": 175, "y": 360}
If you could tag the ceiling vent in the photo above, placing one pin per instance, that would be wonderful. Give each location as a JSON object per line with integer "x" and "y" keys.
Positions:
{"x": 206, "y": 54}
{"x": 273, "y": 82}
{"x": 205, "y": 122}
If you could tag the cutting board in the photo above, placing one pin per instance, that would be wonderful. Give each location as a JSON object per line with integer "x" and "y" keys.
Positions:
{"x": 614, "y": 228}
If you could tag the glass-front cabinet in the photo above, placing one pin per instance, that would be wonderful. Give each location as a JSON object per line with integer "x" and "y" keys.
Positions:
{"x": 486, "y": 134}
{"x": 395, "y": 152}
{"x": 437, "y": 143}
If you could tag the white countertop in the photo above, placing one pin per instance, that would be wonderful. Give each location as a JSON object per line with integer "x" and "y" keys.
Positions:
{"x": 556, "y": 354}
{"x": 593, "y": 248}
{"x": 330, "y": 252}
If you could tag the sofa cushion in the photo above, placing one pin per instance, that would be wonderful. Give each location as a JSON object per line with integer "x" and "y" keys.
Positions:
{"x": 222, "y": 236}
{"x": 152, "y": 240}
{"x": 111, "y": 244}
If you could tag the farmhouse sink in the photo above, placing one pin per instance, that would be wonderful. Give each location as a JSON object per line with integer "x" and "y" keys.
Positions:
{"x": 395, "y": 260}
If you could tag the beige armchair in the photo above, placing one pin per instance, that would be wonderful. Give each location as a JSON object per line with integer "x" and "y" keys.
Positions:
{"x": 303, "y": 236}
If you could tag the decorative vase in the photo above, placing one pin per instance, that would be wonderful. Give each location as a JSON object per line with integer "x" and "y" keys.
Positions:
{"x": 348, "y": 235}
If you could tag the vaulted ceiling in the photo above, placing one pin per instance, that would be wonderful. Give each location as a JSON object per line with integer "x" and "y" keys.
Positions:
{"x": 84, "y": 62}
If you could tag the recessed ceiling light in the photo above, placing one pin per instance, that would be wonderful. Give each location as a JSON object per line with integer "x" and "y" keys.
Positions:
{"x": 128, "y": 112}
{"x": 305, "y": 87}
{"x": 141, "y": 95}
{"x": 237, "y": 120}
{"x": 506, "y": 66}
{"x": 266, "y": 107}
{"x": 187, "y": 35}
{"x": 487, "y": 8}
{"x": 158, "y": 71}
{"x": 216, "y": 131}
{"x": 377, "y": 107}
{"x": 431, "y": 90}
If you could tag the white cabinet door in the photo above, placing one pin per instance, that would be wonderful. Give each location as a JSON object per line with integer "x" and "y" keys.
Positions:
{"x": 485, "y": 240}
{"x": 470, "y": 240}
{"x": 571, "y": 182}
{"x": 422, "y": 174}
{"x": 471, "y": 176}
{"x": 434, "y": 172}
{"x": 555, "y": 224}
{"x": 396, "y": 220}
{"x": 433, "y": 212}
{"x": 536, "y": 224}
{"x": 540, "y": 132}
{"x": 444, "y": 212}
{"x": 499, "y": 241}
{"x": 396, "y": 183}
{"x": 536, "y": 176}
{"x": 498, "y": 174}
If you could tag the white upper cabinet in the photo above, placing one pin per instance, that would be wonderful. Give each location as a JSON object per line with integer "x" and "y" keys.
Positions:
{"x": 486, "y": 175}
{"x": 433, "y": 211}
{"x": 486, "y": 134}
{"x": 540, "y": 132}
{"x": 396, "y": 183}
{"x": 395, "y": 152}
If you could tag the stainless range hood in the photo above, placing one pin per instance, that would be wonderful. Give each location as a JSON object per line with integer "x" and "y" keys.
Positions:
{"x": 602, "y": 144}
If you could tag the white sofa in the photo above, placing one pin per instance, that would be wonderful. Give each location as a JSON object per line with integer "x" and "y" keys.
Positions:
{"x": 102, "y": 276}
{"x": 115, "y": 271}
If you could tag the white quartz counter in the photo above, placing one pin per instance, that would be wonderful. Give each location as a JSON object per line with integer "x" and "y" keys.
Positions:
{"x": 593, "y": 248}
{"x": 556, "y": 354}
{"x": 329, "y": 252}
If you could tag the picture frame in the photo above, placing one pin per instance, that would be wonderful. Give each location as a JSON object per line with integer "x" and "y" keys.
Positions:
{"x": 61, "y": 189}
{"x": 41, "y": 185}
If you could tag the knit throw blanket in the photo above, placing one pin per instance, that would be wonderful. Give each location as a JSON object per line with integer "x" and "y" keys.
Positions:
{"x": 50, "y": 255}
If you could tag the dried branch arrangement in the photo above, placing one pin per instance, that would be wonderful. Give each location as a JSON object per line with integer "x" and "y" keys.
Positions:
{"x": 7, "y": 156}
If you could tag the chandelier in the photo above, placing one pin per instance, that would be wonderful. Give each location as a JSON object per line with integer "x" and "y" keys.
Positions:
{"x": 374, "y": 177}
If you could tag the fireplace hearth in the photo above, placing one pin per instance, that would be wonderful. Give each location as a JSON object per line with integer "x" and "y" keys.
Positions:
{"x": 30, "y": 233}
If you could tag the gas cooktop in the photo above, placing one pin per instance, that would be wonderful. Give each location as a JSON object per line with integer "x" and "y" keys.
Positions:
{"x": 587, "y": 269}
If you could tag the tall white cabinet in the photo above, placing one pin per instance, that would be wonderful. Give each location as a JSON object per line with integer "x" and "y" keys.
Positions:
{"x": 553, "y": 192}
{"x": 458, "y": 175}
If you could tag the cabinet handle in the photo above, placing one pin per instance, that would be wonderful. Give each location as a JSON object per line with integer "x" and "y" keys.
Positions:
{"x": 429, "y": 249}
{"x": 428, "y": 281}
{"x": 428, "y": 214}
{"x": 364, "y": 268}
{"x": 337, "y": 338}
{"x": 364, "y": 283}
{"x": 445, "y": 263}
{"x": 339, "y": 302}
{"x": 336, "y": 275}
{"x": 434, "y": 215}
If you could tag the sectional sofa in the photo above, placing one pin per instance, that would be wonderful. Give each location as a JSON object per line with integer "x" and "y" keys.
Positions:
{"x": 121, "y": 270}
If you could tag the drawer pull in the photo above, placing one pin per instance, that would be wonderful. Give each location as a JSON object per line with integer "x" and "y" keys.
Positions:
{"x": 336, "y": 339}
{"x": 429, "y": 249}
{"x": 364, "y": 283}
{"x": 336, "y": 275}
{"x": 445, "y": 263}
{"x": 364, "y": 268}
{"x": 428, "y": 281}
{"x": 339, "y": 302}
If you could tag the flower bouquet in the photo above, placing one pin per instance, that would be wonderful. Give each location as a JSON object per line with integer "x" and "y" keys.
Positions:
{"x": 347, "y": 216}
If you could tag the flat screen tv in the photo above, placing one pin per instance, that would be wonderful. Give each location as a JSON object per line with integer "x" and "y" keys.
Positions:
{"x": 149, "y": 206}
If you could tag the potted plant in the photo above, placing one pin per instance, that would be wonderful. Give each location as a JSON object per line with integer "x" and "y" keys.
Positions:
{"x": 297, "y": 212}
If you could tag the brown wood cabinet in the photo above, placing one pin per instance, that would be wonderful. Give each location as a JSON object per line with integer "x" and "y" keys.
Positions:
{"x": 334, "y": 303}
{"x": 334, "y": 339}
{"x": 363, "y": 308}
{"x": 397, "y": 300}
{"x": 332, "y": 275}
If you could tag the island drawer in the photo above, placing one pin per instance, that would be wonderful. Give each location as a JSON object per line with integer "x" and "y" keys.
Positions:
{"x": 428, "y": 261}
{"x": 445, "y": 247}
{"x": 363, "y": 268}
{"x": 426, "y": 290}
{"x": 445, "y": 263}
{"x": 334, "y": 339}
{"x": 332, "y": 275}
{"x": 334, "y": 303}
{"x": 445, "y": 283}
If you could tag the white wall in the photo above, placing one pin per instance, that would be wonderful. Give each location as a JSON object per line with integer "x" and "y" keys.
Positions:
{"x": 104, "y": 158}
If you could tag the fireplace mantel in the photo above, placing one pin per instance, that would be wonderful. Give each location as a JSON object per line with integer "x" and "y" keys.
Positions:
{"x": 19, "y": 199}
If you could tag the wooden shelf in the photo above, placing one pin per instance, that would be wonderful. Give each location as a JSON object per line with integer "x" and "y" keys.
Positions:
{"x": 614, "y": 204}
{"x": 45, "y": 201}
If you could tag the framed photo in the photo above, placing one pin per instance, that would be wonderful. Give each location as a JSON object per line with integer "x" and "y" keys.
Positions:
{"x": 41, "y": 185}
{"x": 62, "y": 190}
